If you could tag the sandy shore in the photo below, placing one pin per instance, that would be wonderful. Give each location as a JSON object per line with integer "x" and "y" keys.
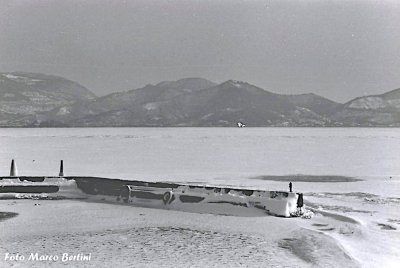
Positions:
{"x": 126, "y": 236}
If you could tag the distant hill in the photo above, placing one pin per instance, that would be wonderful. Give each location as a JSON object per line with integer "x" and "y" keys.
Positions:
{"x": 315, "y": 103}
{"x": 192, "y": 102}
{"x": 38, "y": 100}
{"x": 28, "y": 94}
{"x": 234, "y": 101}
{"x": 140, "y": 107}
{"x": 373, "y": 110}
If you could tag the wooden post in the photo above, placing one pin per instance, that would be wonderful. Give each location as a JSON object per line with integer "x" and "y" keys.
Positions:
{"x": 13, "y": 170}
{"x": 61, "y": 174}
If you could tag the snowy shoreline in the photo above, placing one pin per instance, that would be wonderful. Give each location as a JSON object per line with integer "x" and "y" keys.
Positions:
{"x": 348, "y": 229}
{"x": 128, "y": 235}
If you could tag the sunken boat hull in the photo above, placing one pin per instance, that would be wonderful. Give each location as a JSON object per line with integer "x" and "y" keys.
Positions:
{"x": 164, "y": 195}
{"x": 216, "y": 200}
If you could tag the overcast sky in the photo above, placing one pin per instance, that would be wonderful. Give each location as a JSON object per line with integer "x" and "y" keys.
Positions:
{"x": 338, "y": 49}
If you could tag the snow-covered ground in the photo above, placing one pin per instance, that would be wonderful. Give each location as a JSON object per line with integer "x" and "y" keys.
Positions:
{"x": 117, "y": 235}
{"x": 355, "y": 222}
{"x": 347, "y": 229}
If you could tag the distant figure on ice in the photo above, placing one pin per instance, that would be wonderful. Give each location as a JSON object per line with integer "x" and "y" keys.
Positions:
{"x": 290, "y": 186}
{"x": 240, "y": 124}
{"x": 300, "y": 201}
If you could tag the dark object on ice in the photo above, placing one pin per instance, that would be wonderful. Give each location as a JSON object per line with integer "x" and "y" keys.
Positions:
{"x": 300, "y": 201}
{"x": 29, "y": 189}
{"x": 231, "y": 203}
{"x": 7, "y": 215}
{"x": 290, "y": 186}
{"x": 190, "y": 199}
{"x": 386, "y": 226}
{"x": 61, "y": 174}
{"x": 32, "y": 179}
{"x": 131, "y": 193}
{"x": 308, "y": 178}
{"x": 125, "y": 194}
{"x": 112, "y": 187}
{"x": 146, "y": 195}
{"x": 247, "y": 192}
{"x": 275, "y": 194}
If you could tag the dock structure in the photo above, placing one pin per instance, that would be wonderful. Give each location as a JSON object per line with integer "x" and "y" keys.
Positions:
{"x": 176, "y": 196}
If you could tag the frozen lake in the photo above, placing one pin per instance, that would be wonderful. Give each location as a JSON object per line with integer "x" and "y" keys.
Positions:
{"x": 202, "y": 153}
{"x": 362, "y": 216}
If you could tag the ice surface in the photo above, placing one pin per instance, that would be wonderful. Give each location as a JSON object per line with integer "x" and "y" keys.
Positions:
{"x": 203, "y": 153}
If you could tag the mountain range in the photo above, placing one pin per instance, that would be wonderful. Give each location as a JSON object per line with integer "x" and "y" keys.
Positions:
{"x": 39, "y": 100}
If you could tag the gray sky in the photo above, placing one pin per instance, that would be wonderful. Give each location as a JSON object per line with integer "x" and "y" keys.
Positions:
{"x": 338, "y": 49}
